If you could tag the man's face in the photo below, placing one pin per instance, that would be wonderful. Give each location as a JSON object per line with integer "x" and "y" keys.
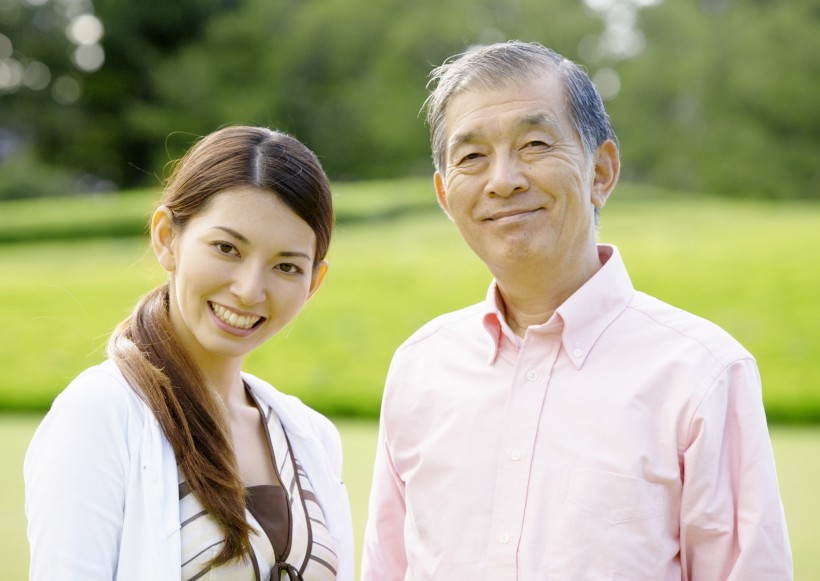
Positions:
{"x": 517, "y": 182}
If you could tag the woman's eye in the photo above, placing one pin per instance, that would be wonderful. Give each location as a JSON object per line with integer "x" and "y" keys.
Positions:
{"x": 289, "y": 268}
{"x": 536, "y": 143}
{"x": 225, "y": 248}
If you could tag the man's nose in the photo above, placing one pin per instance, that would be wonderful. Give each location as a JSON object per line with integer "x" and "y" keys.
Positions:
{"x": 507, "y": 176}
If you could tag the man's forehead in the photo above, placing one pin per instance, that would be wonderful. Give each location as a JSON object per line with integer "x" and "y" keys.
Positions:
{"x": 518, "y": 105}
{"x": 526, "y": 121}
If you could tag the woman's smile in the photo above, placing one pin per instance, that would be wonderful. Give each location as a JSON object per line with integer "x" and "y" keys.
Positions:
{"x": 234, "y": 319}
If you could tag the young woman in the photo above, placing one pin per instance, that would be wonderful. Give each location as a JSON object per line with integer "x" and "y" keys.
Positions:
{"x": 168, "y": 462}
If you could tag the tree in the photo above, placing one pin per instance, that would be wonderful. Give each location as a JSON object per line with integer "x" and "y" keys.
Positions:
{"x": 731, "y": 91}
{"x": 346, "y": 76}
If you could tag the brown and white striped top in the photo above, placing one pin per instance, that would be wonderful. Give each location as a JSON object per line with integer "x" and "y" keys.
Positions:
{"x": 293, "y": 541}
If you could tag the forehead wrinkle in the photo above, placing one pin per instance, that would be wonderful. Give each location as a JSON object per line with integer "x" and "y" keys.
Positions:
{"x": 538, "y": 120}
{"x": 528, "y": 121}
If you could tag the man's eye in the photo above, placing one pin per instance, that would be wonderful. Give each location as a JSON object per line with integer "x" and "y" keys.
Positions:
{"x": 470, "y": 157}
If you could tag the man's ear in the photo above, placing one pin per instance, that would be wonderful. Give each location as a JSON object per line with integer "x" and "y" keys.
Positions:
{"x": 441, "y": 194}
{"x": 162, "y": 238}
{"x": 607, "y": 168}
{"x": 319, "y": 272}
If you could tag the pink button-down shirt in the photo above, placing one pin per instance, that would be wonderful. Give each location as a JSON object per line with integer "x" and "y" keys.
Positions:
{"x": 622, "y": 439}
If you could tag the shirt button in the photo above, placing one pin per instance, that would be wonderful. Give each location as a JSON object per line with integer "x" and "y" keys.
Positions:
{"x": 577, "y": 352}
{"x": 532, "y": 375}
{"x": 515, "y": 455}
{"x": 504, "y": 539}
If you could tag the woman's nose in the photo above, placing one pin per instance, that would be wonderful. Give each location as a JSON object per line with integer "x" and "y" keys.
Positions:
{"x": 249, "y": 284}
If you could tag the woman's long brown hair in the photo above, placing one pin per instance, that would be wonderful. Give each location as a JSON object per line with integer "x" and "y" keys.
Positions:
{"x": 151, "y": 357}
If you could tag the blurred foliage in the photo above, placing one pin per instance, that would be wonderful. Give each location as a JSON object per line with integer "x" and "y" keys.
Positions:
{"x": 722, "y": 98}
{"x": 126, "y": 214}
{"x": 725, "y": 99}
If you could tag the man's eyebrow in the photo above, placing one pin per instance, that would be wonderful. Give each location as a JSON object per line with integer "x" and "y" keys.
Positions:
{"x": 528, "y": 121}
{"x": 462, "y": 138}
{"x": 538, "y": 120}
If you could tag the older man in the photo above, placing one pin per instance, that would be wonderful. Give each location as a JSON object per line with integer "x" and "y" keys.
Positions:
{"x": 568, "y": 427}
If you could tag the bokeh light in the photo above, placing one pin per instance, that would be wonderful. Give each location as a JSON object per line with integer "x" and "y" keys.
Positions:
{"x": 11, "y": 75}
{"x": 6, "y": 48}
{"x": 608, "y": 82}
{"x": 84, "y": 30}
{"x": 88, "y": 57}
{"x": 66, "y": 90}
{"x": 622, "y": 38}
{"x": 36, "y": 76}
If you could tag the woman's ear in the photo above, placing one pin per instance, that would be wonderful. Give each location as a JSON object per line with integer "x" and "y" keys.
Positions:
{"x": 319, "y": 272}
{"x": 162, "y": 238}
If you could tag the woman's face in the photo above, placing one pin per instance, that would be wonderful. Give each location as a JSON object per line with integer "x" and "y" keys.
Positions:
{"x": 239, "y": 272}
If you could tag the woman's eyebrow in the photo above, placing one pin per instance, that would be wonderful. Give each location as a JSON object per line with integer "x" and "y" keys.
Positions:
{"x": 294, "y": 254}
{"x": 284, "y": 253}
{"x": 233, "y": 233}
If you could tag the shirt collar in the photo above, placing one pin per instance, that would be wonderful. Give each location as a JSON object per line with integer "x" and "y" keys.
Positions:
{"x": 495, "y": 323}
{"x": 585, "y": 314}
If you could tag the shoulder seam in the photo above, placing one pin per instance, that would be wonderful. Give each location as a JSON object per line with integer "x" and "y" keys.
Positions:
{"x": 740, "y": 352}
{"x": 437, "y": 324}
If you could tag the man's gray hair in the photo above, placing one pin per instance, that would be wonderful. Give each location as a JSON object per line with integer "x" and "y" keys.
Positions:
{"x": 493, "y": 66}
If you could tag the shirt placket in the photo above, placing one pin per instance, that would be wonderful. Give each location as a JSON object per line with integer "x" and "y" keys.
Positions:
{"x": 527, "y": 393}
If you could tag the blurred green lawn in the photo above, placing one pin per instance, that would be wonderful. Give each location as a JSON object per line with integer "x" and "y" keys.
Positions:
{"x": 748, "y": 266}
{"x": 796, "y": 451}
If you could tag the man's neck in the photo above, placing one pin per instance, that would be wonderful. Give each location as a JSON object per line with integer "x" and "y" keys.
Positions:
{"x": 531, "y": 295}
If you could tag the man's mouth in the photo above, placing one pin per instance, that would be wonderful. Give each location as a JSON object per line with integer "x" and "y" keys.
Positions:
{"x": 232, "y": 318}
{"x": 507, "y": 214}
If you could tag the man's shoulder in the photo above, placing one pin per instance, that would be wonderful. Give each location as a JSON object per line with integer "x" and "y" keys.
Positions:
{"x": 701, "y": 333}
{"x": 463, "y": 322}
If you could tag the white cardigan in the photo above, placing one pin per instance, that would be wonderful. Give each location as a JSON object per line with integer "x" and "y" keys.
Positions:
{"x": 102, "y": 494}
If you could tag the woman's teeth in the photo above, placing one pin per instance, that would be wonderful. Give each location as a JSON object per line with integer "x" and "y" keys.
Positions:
{"x": 229, "y": 317}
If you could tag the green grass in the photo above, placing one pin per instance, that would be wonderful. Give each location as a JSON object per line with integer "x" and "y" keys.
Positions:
{"x": 748, "y": 266}
{"x": 796, "y": 450}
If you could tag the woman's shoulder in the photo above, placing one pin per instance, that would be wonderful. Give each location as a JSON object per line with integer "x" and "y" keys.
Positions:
{"x": 97, "y": 411}
{"x": 100, "y": 389}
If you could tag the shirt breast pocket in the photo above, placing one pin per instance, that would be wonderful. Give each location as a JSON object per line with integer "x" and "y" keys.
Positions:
{"x": 611, "y": 525}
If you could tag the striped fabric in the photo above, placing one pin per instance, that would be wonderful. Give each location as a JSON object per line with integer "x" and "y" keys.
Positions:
{"x": 312, "y": 554}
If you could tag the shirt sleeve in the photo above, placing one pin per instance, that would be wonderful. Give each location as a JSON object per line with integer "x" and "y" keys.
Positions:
{"x": 384, "y": 557}
{"x": 75, "y": 479}
{"x": 732, "y": 523}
